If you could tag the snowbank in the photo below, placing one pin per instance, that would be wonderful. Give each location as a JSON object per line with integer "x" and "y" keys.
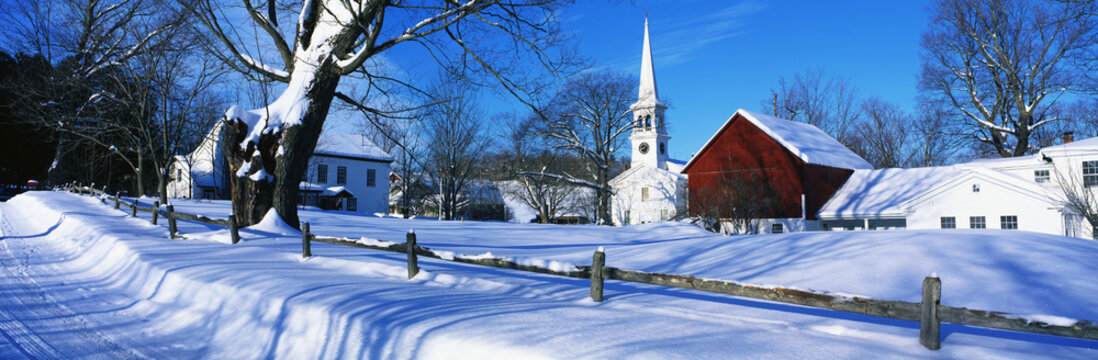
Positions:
{"x": 162, "y": 298}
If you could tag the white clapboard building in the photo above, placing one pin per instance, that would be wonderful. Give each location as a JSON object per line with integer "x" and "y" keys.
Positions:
{"x": 1022, "y": 193}
{"x": 346, "y": 172}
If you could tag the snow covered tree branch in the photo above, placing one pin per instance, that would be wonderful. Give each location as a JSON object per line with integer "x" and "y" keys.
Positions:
{"x": 268, "y": 148}
{"x": 1003, "y": 64}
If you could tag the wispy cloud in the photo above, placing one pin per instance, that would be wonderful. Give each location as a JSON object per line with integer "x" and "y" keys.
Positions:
{"x": 679, "y": 39}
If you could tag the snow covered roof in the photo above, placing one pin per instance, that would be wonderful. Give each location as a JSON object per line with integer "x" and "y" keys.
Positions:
{"x": 807, "y": 142}
{"x": 890, "y": 193}
{"x": 676, "y": 166}
{"x": 349, "y": 145}
{"x": 336, "y": 191}
{"x": 646, "y": 172}
{"x": 1087, "y": 146}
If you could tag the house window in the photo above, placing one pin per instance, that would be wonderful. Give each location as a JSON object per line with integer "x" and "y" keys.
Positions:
{"x": 1009, "y": 222}
{"x": 371, "y": 177}
{"x": 178, "y": 173}
{"x": 977, "y": 222}
{"x": 663, "y": 215}
{"x": 776, "y": 228}
{"x": 341, "y": 175}
{"x": 352, "y": 204}
{"x": 975, "y": 187}
{"x": 644, "y": 194}
{"x": 625, "y": 219}
{"x": 949, "y": 222}
{"x": 1040, "y": 176}
{"x": 1090, "y": 173}
{"x": 322, "y": 174}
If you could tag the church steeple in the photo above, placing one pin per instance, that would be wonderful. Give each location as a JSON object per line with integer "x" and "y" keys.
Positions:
{"x": 649, "y": 136}
{"x": 647, "y": 92}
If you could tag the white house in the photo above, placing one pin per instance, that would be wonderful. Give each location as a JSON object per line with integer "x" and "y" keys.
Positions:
{"x": 653, "y": 189}
{"x": 1023, "y": 193}
{"x": 347, "y": 172}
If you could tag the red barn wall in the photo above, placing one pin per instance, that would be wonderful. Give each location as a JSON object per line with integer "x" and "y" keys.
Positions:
{"x": 743, "y": 151}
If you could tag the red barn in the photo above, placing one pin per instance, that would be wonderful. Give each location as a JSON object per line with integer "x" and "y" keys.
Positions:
{"x": 763, "y": 174}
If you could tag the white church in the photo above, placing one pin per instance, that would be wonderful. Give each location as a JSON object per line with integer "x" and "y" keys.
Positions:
{"x": 653, "y": 189}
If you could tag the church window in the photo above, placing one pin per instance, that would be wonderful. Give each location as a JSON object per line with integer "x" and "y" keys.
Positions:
{"x": 648, "y": 122}
{"x": 644, "y": 194}
{"x": 663, "y": 148}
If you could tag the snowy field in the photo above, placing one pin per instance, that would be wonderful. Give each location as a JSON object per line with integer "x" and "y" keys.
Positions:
{"x": 81, "y": 280}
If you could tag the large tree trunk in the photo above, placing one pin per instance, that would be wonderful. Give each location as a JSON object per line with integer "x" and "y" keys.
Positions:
{"x": 253, "y": 193}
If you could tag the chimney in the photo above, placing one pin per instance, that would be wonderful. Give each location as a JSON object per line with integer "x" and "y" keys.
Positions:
{"x": 1069, "y": 136}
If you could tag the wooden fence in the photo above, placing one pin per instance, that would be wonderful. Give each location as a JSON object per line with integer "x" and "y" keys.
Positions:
{"x": 929, "y": 312}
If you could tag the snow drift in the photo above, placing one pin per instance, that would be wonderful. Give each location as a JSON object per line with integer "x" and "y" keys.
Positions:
{"x": 160, "y": 298}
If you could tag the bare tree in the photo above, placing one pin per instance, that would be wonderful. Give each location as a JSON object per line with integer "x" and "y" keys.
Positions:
{"x": 1078, "y": 196}
{"x": 933, "y": 140}
{"x": 85, "y": 41}
{"x": 740, "y": 201}
{"x": 168, "y": 92}
{"x": 527, "y": 160}
{"x": 590, "y": 115}
{"x": 828, "y": 103}
{"x": 1003, "y": 63}
{"x": 268, "y": 149}
{"x": 882, "y": 134}
{"x": 455, "y": 130}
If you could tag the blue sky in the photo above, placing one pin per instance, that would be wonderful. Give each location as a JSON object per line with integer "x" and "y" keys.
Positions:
{"x": 713, "y": 57}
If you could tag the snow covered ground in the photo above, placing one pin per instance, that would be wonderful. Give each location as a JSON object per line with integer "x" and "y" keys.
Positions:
{"x": 80, "y": 279}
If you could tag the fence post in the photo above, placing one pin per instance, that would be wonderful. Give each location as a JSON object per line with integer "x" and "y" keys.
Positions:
{"x": 306, "y": 250}
{"x": 171, "y": 221}
{"x": 117, "y": 200}
{"x": 929, "y": 326}
{"x": 413, "y": 261}
{"x": 133, "y": 210}
{"x": 598, "y": 262}
{"x": 156, "y": 211}
{"x": 233, "y": 231}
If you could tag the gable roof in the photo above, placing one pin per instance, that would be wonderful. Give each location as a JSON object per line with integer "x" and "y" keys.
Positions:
{"x": 886, "y": 193}
{"x": 350, "y": 146}
{"x": 807, "y": 142}
{"x": 647, "y": 172}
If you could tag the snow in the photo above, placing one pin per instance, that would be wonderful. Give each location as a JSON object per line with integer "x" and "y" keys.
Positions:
{"x": 272, "y": 223}
{"x": 883, "y": 192}
{"x": 894, "y": 192}
{"x": 350, "y": 145}
{"x": 83, "y": 280}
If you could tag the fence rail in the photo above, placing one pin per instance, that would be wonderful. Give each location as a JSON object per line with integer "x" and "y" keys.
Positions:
{"x": 930, "y": 313}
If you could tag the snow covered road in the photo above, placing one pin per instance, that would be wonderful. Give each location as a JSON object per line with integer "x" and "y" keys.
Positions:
{"x": 83, "y": 280}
